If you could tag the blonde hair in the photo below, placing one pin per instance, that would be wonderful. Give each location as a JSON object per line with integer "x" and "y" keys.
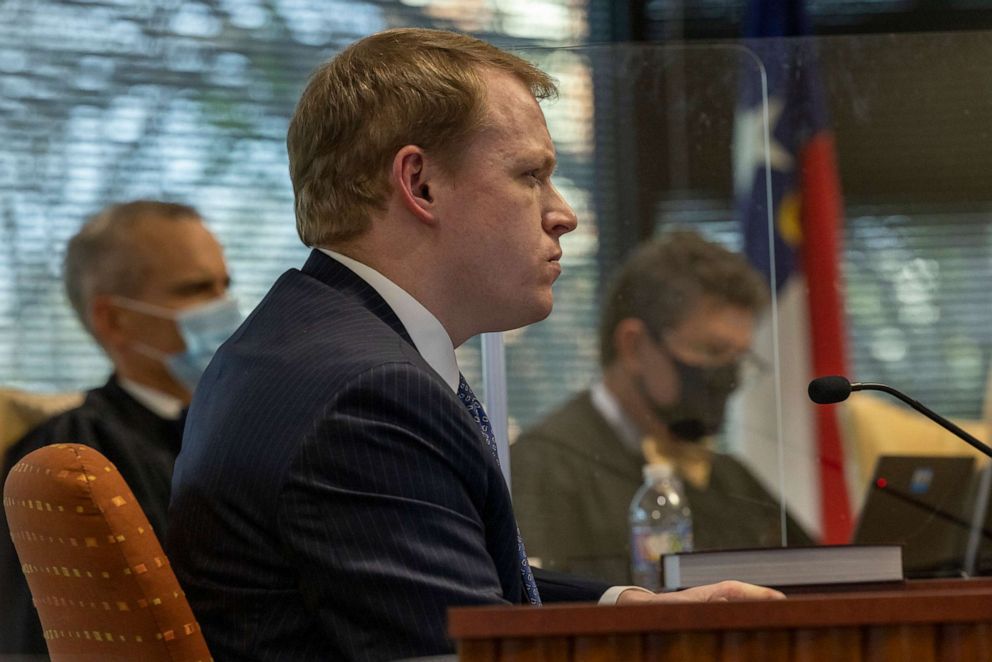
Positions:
{"x": 394, "y": 88}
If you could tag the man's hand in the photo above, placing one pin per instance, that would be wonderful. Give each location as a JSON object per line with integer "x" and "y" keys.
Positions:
{"x": 722, "y": 592}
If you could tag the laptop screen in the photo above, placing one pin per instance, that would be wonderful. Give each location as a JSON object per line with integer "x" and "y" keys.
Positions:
{"x": 923, "y": 503}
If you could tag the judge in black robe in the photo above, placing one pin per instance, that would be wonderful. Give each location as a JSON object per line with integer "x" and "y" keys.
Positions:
{"x": 148, "y": 281}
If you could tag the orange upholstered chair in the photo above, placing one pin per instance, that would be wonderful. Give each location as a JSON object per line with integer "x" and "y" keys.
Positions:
{"x": 101, "y": 583}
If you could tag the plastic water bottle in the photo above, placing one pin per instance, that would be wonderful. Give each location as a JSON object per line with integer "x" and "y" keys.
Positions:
{"x": 660, "y": 523}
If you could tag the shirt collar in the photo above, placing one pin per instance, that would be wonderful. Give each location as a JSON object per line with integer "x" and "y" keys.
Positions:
{"x": 427, "y": 333}
{"x": 609, "y": 408}
{"x": 161, "y": 404}
{"x": 693, "y": 461}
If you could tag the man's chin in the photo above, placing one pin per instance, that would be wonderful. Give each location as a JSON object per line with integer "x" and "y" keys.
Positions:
{"x": 536, "y": 312}
{"x": 542, "y": 309}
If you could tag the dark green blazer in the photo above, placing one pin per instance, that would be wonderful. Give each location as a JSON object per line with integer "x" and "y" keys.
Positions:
{"x": 573, "y": 480}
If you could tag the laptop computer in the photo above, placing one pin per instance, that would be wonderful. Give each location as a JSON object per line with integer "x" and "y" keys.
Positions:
{"x": 925, "y": 504}
{"x": 978, "y": 557}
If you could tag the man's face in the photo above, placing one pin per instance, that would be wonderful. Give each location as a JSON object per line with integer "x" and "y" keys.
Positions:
{"x": 183, "y": 267}
{"x": 501, "y": 215}
{"x": 689, "y": 371}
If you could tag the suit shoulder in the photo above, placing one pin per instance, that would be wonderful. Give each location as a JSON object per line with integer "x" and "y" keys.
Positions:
{"x": 566, "y": 425}
{"x": 303, "y": 314}
{"x": 729, "y": 469}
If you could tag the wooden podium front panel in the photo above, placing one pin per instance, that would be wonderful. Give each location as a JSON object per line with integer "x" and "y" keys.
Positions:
{"x": 928, "y": 622}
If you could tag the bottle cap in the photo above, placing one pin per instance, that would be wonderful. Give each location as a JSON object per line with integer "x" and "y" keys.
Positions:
{"x": 657, "y": 471}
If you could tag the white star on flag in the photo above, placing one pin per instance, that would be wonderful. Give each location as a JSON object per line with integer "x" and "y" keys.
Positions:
{"x": 749, "y": 133}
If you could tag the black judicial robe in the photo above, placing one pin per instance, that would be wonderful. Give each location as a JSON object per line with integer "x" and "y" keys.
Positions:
{"x": 143, "y": 447}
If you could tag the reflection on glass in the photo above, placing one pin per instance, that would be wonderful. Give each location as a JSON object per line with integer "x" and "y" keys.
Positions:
{"x": 915, "y": 267}
{"x": 675, "y": 329}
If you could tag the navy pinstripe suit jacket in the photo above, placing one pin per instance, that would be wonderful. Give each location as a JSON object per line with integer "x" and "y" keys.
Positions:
{"x": 333, "y": 497}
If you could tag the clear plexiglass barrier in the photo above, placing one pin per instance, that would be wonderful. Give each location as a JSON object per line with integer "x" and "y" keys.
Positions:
{"x": 751, "y": 216}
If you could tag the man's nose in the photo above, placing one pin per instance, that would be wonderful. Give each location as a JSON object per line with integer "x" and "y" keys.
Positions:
{"x": 559, "y": 218}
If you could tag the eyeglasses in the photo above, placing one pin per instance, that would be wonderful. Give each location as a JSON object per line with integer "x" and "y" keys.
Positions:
{"x": 747, "y": 365}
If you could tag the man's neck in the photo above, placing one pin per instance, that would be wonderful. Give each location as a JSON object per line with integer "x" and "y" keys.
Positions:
{"x": 158, "y": 402}
{"x": 428, "y": 334}
{"x": 413, "y": 274}
{"x": 631, "y": 402}
{"x": 152, "y": 377}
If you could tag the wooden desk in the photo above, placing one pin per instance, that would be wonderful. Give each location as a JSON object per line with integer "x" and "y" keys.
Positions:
{"x": 926, "y": 621}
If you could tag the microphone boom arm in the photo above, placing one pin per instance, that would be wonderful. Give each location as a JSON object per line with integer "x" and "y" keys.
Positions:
{"x": 933, "y": 416}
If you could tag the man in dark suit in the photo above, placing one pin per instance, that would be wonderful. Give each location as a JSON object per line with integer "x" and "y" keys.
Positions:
{"x": 338, "y": 488}
{"x": 675, "y": 327}
{"x": 139, "y": 276}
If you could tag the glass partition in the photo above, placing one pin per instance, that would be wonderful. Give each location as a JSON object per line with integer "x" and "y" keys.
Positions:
{"x": 648, "y": 139}
{"x": 658, "y": 139}
{"x": 191, "y": 102}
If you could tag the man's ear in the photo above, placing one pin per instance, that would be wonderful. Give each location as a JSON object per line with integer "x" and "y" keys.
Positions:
{"x": 106, "y": 323}
{"x": 629, "y": 336}
{"x": 412, "y": 175}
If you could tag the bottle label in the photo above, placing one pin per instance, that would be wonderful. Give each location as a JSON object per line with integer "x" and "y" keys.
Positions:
{"x": 649, "y": 543}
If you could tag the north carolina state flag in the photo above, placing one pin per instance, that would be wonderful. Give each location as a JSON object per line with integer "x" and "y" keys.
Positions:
{"x": 789, "y": 204}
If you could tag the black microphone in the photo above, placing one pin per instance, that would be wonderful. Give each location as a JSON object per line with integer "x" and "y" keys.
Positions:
{"x": 835, "y": 388}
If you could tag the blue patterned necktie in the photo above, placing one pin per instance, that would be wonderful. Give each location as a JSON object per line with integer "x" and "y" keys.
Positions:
{"x": 474, "y": 407}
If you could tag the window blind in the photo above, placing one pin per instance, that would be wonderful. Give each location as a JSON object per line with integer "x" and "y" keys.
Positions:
{"x": 186, "y": 101}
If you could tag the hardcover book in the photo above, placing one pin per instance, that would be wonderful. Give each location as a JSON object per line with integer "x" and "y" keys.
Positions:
{"x": 785, "y": 566}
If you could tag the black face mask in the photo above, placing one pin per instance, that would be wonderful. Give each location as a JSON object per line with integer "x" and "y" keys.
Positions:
{"x": 700, "y": 409}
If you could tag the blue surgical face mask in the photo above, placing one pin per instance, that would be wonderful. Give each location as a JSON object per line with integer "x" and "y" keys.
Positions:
{"x": 203, "y": 328}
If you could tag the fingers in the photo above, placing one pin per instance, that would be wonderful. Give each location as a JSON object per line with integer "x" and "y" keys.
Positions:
{"x": 722, "y": 592}
{"x": 729, "y": 590}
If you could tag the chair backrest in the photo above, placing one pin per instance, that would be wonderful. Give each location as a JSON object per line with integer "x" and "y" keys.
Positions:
{"x": 22, "y": 410}
{"x": 102, "y": 585}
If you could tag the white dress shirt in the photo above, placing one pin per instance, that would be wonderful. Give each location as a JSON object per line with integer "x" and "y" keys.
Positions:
{"x": 609, "y": 408}
{"x": 429, "y": 337}
{"x": 161, "y": 404}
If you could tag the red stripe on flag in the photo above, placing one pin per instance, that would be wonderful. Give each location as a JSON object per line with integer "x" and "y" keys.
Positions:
{"x": 821, "y": 219}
